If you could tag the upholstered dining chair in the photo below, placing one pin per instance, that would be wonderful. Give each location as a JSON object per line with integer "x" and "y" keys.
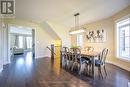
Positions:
{"x": 84, "y": 65}
{"x": 101, "y": 62}
{"x": 85, "y": 61}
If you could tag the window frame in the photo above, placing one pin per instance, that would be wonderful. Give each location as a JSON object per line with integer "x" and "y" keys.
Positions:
{"x": 118, "y": 38}
{"x": 77, "y": 39}
{"x": 20, "y": 43}
{"x": 29, "y": 42}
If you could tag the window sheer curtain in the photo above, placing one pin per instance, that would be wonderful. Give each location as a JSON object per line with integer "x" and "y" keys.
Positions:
{"x": 16, "y": 41}
{"x": 26, "y": 42}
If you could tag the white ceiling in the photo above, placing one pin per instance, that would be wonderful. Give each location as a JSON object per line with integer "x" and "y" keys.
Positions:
{"x": 61, "y": 11}
{"x": 20, "y": 30}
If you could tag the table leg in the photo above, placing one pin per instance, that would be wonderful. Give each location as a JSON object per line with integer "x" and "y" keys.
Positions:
{"x": 93, "y": 68}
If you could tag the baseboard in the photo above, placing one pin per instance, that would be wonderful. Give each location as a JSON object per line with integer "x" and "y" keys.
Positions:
{"x": 128, "y": 84}
{"x": 1, "y": 69}
{"x": 6, "y": 63}
{"x": 116, "y": 64}
{"x": 43, "y": 57}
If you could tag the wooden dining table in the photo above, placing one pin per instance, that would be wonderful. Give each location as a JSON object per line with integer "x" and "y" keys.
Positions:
{"x": 92, "y": 55}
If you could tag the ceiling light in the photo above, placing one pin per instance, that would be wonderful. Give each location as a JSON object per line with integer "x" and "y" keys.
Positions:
{"x": 77, "y": 30}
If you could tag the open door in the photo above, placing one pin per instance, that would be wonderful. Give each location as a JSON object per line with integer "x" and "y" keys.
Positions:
{"x": 33, "y": 43}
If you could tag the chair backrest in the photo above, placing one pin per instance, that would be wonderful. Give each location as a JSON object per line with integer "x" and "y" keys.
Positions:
{"x": 103, "y": 55}
{"x": 76, "y": 52}
{"x": 65, "y": 51}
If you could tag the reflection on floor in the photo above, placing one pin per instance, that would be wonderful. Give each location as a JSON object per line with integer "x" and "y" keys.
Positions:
{"x": 25, "y": 72}
{"x": 24, "y": 59}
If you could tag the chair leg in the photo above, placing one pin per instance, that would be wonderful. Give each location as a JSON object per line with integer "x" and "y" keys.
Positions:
{"x": 81, "y": 69}
{"x": 89, "y": 69}
{"x": 78, "y": 66}
{"x": 86, "y": 69}
{"x": 105, "y": 70}
{"x": 70, "y": 64}
{"x": 73, "y": 65}
{"x": 100, "y": 71}
{"x": 67, "y": 64}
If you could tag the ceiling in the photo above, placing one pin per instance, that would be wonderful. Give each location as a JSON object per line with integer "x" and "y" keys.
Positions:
{"x": 20, "y": 30}
{"x": 61, "y": 11}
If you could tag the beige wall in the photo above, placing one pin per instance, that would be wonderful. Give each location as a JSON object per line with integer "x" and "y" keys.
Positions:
{"x": 116, "y": 17}
{"x": 109, "y": 25}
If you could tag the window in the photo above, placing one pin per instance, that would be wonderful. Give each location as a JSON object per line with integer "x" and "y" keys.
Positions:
{"x": 29, "y": 42}
{"x": 80, "y": 40}
{"x": 20, "y": 41}
{"x": 123, "y": 39}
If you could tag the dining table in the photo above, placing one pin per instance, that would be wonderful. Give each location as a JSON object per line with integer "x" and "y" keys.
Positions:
{"x": 92, "y": 55}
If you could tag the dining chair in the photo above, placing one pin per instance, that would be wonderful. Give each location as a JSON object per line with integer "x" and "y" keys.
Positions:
{"x": 84, "y": 65}
{"x": 101, "y": 61}
{"x": 71, "y": 58}
{"x": 65, "y": 51}
{"x": 85, "y": 61}
{"x": 76, "y": 58}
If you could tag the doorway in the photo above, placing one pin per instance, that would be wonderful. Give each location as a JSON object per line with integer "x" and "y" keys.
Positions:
{"x": 21, "y": 42}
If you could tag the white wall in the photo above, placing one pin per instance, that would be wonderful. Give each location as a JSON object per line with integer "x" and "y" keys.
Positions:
{"x": 3, "y": 43}
{"x": 1, "y": 59}
{"x": 3, "y": 47}
{"x": 62, "y": 32}
{"x": 42, "y": 38}
{"x": 12, "y": 42}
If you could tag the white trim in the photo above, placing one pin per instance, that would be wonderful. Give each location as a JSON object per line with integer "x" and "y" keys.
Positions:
{"x": 122, "y": 18}
{"x": 118, "y": 65}
{"x": 128, "y": 84}
{"x": 125, "y": 60}
{"x": 7, "y": 62}
{"x": 42, "y": 57}
{"x": 117, "y": 38}
{"x": 1, "y": 69}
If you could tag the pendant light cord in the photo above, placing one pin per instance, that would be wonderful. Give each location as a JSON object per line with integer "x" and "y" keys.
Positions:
{"x": 76, "y": 21}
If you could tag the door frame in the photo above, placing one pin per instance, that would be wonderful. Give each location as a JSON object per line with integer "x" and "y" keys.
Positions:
{"x": 8, "y": 42}
{"x": 33, "y": 44}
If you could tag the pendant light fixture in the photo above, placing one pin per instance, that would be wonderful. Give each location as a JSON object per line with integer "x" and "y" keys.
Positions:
{"x": 77, "y": 30}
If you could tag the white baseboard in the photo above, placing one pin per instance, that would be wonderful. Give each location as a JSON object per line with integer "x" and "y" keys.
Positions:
{"x": 119, "y": 65}
{"x": 7, "y": 63}
{"x": 1, "y": 69}
{"x": 128, "y": 84}
{"x": 43, "y": 57}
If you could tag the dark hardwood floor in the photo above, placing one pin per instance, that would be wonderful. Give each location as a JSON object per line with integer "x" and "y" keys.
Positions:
{"x": 24, "y": 72}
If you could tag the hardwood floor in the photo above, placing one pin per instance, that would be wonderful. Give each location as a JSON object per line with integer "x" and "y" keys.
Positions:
{"x": 25, "y": 72}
